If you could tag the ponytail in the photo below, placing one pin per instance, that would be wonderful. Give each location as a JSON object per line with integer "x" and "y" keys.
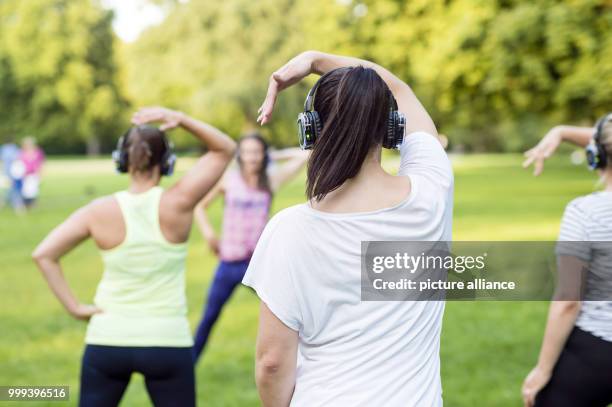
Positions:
{"x": 146, "y": 147}
{"x": 353, "y": 104}
{"x": 140, "y": 155}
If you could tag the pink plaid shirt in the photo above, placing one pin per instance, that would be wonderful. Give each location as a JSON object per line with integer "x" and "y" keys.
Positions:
{"x": 244, "y": 218}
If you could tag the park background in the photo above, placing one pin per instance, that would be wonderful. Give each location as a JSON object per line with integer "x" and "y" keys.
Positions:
{"x": 495, "y": 75}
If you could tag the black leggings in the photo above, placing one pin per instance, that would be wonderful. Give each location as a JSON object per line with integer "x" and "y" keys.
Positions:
{"x": 583, "y": 375}
{"x": 106, "y": 372}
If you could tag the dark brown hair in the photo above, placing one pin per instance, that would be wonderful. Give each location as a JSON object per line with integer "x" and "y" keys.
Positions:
{"x": 146, "y": 147}
{"x": 263, "y": 181}
{"x": 353, "y": 105}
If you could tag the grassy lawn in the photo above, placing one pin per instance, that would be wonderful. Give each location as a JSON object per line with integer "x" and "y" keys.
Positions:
{"x": 487, "y": 347}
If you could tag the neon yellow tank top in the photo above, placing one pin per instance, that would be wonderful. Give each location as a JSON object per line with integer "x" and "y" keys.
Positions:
{"x": 142, "y": 291}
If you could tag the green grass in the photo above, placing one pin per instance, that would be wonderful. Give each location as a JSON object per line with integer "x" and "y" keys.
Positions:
{"x": 487, "y": 347}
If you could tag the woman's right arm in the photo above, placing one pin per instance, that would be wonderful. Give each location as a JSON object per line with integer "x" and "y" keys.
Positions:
{"x": 203, "y": 221}
{"x": 194, "y": 185}
{"x": 47, "y": 256}
{"x": 580, "y": 136}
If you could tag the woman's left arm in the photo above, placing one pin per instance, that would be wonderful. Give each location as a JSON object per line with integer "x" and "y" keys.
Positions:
{"x": 295, "y": 159}
{"x": 276, "y": 359}
{"x": 562, "y": 315}
{"x": 47, "y": 256}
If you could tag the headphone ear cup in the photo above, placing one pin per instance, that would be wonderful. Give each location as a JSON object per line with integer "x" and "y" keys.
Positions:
{"x": 596, "y": 156}
{"x": 120, "y": 155}
{"x": 395, "y": 130}
{"x": 120, "y": 158}
{"x": 400, "y": 128}
{"x": 390, "y": 136}
{"x": 168, "y": 160}
{"x": 602, "y": 161}
{"x": 168, "y": 165}
{"x": 309, "y": 128}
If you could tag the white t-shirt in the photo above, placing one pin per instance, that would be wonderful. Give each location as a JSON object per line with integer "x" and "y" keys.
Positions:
{"x": 307, "y": 270}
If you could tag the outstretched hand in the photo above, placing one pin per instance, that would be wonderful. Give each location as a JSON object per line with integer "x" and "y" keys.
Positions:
{"x": 292, "y": 72}
{"x": 542, "y": 151}
{"x": 169, "y": 119}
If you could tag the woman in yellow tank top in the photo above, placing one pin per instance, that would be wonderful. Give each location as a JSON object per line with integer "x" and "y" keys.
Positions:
{"x": 138, "y": 322}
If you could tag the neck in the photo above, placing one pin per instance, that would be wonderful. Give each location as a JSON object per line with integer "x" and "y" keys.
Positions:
{"x": 142, "y": 182}
{"x": 368, "y": 178}
{"x": 250, "y": 178}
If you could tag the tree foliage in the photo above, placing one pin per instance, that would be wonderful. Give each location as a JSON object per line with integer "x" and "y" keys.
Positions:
{"x": 493, "y": 73}
{"x": 58, "y": 72}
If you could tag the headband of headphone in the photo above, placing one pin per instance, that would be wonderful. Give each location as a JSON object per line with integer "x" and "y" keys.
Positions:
{"x": 121, "y": 156}
{"x": 597, "y": 157}
{"x": 310, "y": 126}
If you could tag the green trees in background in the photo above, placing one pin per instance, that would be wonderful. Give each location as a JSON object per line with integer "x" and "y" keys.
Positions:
{"x": 494, "y": 73}
{"x": 213, "y": 59}
{"x": 58, "y": 74}
{"x": 497, "y": 73}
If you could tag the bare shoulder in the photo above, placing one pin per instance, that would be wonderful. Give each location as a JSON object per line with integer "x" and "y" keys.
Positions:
{"x": 102, "y": 208}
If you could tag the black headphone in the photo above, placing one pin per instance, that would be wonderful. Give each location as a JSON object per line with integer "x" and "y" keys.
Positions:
{"x": 597, "y": 157}
{"x": 121, "y": 157}
{"x": 310, "y": 126}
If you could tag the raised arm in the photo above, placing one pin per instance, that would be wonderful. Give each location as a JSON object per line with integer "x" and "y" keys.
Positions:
{"x": 47, "y": 256}
{"x": 294, "y": 160}
{"x": 580, "y": 136}
{"x": 417, "y": 118}
{"x": 194, "y": 185}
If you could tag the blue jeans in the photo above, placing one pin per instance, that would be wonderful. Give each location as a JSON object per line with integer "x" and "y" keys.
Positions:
{"x": 227, "y": 276}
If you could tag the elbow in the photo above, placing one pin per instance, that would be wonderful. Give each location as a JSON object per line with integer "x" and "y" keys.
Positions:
{"x": 39, "y": 257}
{"x": 569, "y": 308}
{"x": 267, "y": 366}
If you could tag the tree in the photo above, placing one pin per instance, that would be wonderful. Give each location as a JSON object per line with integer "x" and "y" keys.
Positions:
{"x": 58, "y": 73}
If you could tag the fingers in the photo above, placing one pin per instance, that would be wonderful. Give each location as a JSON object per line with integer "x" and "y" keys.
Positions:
{"x": 148, "y": 115}
{"x": 168, "y": 126}
{"x": 265, "y": 111}
{"x": 536, "y": 157}
{"x": 528, "y": 161}
{"x": 527, "y": 397}
{"x": 538, "y": 166}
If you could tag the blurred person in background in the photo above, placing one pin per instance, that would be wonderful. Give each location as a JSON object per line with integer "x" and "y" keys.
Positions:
{"x": 12, "y": 170}
{"x": 139, "y": 320}
{"x": 574, "y": 368}
{"x": 33, "y": 158}
{"x": 247, "y": 192}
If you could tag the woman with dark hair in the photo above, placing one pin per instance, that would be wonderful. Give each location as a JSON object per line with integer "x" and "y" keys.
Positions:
{"x": 139, "y": 320}
{"x": 247, "y": 192}
{"x": 319, "y": 344}
{"x": 574, "y": 367}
